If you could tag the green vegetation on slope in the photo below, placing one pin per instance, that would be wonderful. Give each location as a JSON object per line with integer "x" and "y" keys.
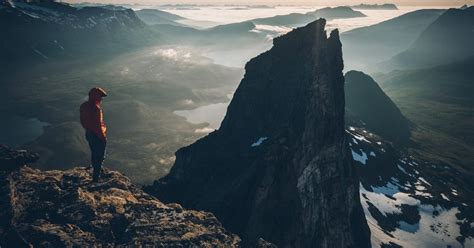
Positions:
{"x": 439, "y": 101}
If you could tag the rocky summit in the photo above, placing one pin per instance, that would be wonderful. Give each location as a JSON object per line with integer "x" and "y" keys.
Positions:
{"x": 64, "y": 209}
{"x": 279, "y": 167}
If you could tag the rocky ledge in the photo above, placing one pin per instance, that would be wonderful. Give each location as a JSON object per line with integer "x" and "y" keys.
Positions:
{"x": 65, "y": 209}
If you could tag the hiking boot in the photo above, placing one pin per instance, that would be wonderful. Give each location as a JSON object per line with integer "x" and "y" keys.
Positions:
{"x": 96, "y": 175}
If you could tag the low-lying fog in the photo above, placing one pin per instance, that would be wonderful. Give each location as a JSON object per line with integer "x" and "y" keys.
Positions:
{"x": 208, "y": 16}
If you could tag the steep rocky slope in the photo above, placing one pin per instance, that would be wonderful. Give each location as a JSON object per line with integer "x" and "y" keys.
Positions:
{"x": 368, "y": 104}
{"x": 410, "y": 201}
{"x": 64, "y": 209}
{"x": 279, "y": 167}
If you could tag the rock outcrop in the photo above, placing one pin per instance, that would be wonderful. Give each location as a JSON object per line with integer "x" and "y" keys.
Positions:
{"x": 279, "y": 167}
{"x": 64, "y": 209}
{"x": 367, "y": 104}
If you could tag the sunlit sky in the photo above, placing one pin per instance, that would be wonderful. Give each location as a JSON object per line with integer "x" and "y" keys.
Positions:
{"x": 277, "y": 2}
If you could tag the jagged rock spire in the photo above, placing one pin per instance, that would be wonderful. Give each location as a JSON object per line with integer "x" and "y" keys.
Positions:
{"x": 279, "y": 167}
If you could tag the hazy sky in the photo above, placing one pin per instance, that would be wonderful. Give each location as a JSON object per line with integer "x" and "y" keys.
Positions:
{"x": 297, "y": 2}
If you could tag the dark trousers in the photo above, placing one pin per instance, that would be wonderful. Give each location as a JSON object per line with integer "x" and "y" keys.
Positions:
{"x": 97, "y": 146}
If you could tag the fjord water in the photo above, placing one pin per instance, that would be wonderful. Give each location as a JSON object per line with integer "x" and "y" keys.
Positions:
{"x": 18, "y": 130}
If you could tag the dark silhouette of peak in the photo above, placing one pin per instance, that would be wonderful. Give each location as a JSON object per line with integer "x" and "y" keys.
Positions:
{"x": 279, "y": 166}
{"x": 337, "y": 12}
{"x": 366, "y": 103}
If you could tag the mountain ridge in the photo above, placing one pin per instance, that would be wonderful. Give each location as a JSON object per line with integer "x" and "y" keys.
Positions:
{"x": 46, "y": 31}
{"x": 360, "y": 43}
{"x": 448, "y": 39}
{"x": 280, "y": 148}
{"x": 366, "y": 102}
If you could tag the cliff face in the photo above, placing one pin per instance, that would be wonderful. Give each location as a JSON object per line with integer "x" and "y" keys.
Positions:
{"x": 64, "y": 209}
{"x": 279, "y": 167}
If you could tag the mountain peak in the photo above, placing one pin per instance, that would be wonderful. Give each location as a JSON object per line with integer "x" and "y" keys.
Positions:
{"x": 366, "y": 103}
{"x": 280, "y": 149}
{"x": 309, "y": 33}
{"x": 263, "y": 96}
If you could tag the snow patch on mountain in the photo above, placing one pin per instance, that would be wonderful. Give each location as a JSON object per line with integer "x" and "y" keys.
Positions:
{"x": 259, "y": 141}
{"x": 361, "y": 158}
{"x": 403, "y": 205}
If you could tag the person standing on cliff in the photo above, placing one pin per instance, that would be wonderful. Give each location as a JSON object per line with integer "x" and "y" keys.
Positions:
{"x": 92, "y": 119}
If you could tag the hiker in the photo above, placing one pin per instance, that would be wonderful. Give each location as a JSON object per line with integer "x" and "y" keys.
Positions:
{"x": 92, "y": 120}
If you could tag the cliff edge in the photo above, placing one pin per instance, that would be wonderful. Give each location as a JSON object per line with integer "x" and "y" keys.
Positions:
{"x": 64, "y": 209}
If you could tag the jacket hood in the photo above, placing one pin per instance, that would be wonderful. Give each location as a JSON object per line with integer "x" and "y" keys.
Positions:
{"x": 95, "y": 94}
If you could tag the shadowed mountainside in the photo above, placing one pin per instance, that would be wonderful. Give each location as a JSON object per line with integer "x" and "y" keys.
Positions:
{"x": 47, "y": 30}
{"x": 366, "y": 46}
{"x": 281, "y": 148}
{"x": 446, "y": 40}
{"x": 366, "y": 102}
{"x": 440, "y": 102}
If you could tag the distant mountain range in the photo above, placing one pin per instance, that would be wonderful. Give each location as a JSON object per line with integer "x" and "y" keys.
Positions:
{"x": 419, "y": 39}
{"x": 297, "y": 19}
{"x": 448, "y": 39}
{"x": 431, "y": 84}
{"x": 48, "y": 30}
{"x": 386, "y": 6}
{"x": 45, "y": 31}
{"x": 364, "y": 47}
{"x": 155, "y": 16}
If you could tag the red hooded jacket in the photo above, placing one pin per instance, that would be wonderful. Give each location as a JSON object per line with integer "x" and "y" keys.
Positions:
{"x": 92, "y": 118}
